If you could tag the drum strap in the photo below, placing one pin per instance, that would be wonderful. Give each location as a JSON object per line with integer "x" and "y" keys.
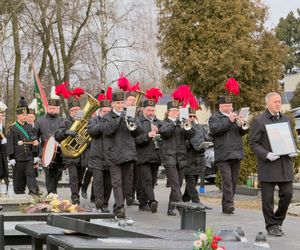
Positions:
{"x": 24, "y": 132}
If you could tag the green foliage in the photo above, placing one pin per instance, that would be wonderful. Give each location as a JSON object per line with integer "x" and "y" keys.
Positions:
{"x": 288, "y": 31}
{"x": 295, "y": 101}
{"x": 203, "y": 43}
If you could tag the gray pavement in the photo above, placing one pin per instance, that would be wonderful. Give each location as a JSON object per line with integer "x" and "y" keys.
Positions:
{"x": 251, "y": 221}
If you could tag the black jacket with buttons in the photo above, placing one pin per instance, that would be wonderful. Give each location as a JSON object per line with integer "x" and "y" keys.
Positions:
{"x": 24, "y": 152}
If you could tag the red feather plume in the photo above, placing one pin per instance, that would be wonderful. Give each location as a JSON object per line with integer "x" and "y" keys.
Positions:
{"x": 101, "y": 97}
{"x": 109, "y": 93}
{"x": 77, "y": 92}
{"x": 182, "y": 94}
{"x": 153, "y": 94}
{"x": 232, "y": 86}
{"x": 135, "y": 87}
{"x": 61, "y": 90}
{"x": 123, "y": 83}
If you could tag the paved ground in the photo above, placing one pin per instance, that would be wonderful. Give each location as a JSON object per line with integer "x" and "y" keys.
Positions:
{"x": 250, "y": 220}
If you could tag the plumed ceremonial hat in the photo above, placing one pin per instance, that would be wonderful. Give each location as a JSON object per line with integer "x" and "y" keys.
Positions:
{"x": 147, "y": 103}
{"x": 173, "y": 104}
{"x": 72, "y": 102}
{"x": 118, "y": 96}
{"x": 224, "y": 99}
{"x": 22, "y": 107}
{"x": 54, "y": 102}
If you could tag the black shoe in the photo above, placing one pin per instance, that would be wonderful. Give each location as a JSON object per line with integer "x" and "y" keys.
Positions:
{"x": 274, "y": 231}
{"x": 120, "y": 213}
{"x": 99, "y": 204}
{"x": 228, "y": 210}
{"x": 280, "y": 229}
{"x": 145, "y": 209}
{"x": 105, "y": 209}
{"x": 171, "y": 212}
{"x": 129, "y": 202}
{"x": 84, "y": 194}
{"x": 153, "y": 206}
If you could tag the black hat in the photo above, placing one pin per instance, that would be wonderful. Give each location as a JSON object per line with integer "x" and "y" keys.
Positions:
{"x": 173, "y": 105}
{"x": 22, "y": 107}
{"x": 54, "y": 102}
{"x": 118, "y": 96}
{"x": 130, "y": 93}
{"x": 31, "y": 111}
{"x": 192, "y": 111}
{"x": 147, "y": 103}
{"x": 224, "y": 99}
{"x": 104, "y": 103}
{"x": 72, "y": 102}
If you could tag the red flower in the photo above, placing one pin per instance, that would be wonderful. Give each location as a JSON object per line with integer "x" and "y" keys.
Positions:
{"x": 214, "y": 245}
{"x": 217, "y": 238}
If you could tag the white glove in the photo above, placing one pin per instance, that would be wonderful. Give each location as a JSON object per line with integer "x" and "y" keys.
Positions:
{"x": 4, "y": 141}
{"x": 292, "y": 155}
{"x": 12, "y": 162}
{"x": 272, "y": 157}
{"x": 36, "y": 160}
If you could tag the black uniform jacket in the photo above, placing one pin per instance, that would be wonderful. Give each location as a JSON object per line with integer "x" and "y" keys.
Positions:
{"x": 227, "y": 138}
{"x": 145, "y": 145}
{"x": 280, "y": 170}
{"x": 119, "y": 145}
{"x": 174, "y": 145}
{"x": 60, "y": 135}
{"x": 96, "y": 156}
{"x": 24, "y": 152}
{"x": 195, "y": 155}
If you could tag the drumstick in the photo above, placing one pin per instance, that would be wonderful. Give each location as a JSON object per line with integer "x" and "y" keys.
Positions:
{"x": 20, "y": 143}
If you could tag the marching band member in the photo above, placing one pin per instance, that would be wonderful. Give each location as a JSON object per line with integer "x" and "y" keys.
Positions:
{"x": 3, "y": 143}
{"x": 149, "y": 160}
{"x": 97, "y": 164}
{"x": 120, "y": 150}
{"x": 74, "y": 165}
{"x": 228, "y": 146}
{"x": 21, "y": 153}
{"x": 43, "y": 129}
{"x": 195, "y": 158}
{"x": 174, "y": 152}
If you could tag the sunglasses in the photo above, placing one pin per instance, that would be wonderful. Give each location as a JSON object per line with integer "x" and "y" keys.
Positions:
{"x": 192, "y": 116}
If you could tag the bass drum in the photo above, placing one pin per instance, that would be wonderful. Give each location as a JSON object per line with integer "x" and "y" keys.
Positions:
{"x": 50, "y": 152}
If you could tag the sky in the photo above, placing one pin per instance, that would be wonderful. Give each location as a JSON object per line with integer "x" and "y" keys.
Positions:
{"x": 280, "y": 8}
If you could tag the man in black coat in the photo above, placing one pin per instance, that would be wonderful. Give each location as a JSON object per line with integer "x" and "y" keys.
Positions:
{"x": 148, "y": 150}
{"x": 43, "y": 129}
{"x": 3, "y": 156}
{"x": 97, "y": 165}
{"x": 74, "y": 165}
{"x": 21, "y": 153}
{"x": 174, "y": 152}
{"x": 272, "y": 169}
{"x": 228, "y": 148}
{"x": 196, "y": 160}
{"x": 119, "y": 150}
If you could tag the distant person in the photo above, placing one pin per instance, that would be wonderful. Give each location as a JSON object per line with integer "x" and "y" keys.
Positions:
{"x": 228, "y": 147}
{"x": 273, "y": 170}
{"x": 3, "y": 142}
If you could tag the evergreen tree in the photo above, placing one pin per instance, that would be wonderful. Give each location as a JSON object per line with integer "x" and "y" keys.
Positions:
{"x": 204, "y": 42}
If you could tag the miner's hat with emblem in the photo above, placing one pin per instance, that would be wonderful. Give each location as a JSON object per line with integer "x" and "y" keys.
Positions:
{"x": 104, "y": 103}
{"x": 118, "y": 96}
{"x": 173, "y": 104}
{"x": 22, "y": 107}
{"x": 224, "y": 99}
{"x": 130, "y": 93}
{"x": 54, "y": 102}
{"x": 31, "y": 111}
{"x": 147, "y": 103}
{"x": 192, "y": 111}
{"x": 72, "y": 102}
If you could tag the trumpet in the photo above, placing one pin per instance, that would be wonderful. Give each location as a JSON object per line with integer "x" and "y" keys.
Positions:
{"x": 186, "y": 124}
{"x": 130, "y": 124}
{"x": 243, "y": 125}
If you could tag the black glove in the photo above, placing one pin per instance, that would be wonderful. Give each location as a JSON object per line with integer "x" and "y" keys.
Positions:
{"x": 123, "y": 113}
{"x": 71, "y": 133}
{"x": 131, "y": 119}
{"x": 178, "y": 122}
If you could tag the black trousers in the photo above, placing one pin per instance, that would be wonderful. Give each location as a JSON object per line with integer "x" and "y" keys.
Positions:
{"x": 174, "y": 178}
{"x": 24, "y": 174}
{"x": 121, "y": 181}
{"x": 76, "y": 172}
{"x": 148, "y": 174}
{"x": 136, "y": 190}
{"x": 191, "y": 192}
{"x": 88, "y": 174}
{"x": 53, "y": 174}
{"x": 267, "y": 197}
{"x": 101, "y": 185}
{"x": 230, "y": 171}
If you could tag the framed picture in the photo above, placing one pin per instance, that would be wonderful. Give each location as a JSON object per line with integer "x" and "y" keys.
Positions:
{"x": 281, "y": 138}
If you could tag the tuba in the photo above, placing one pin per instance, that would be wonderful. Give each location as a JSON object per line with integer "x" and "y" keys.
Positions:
{"x": 74, "y": 147}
